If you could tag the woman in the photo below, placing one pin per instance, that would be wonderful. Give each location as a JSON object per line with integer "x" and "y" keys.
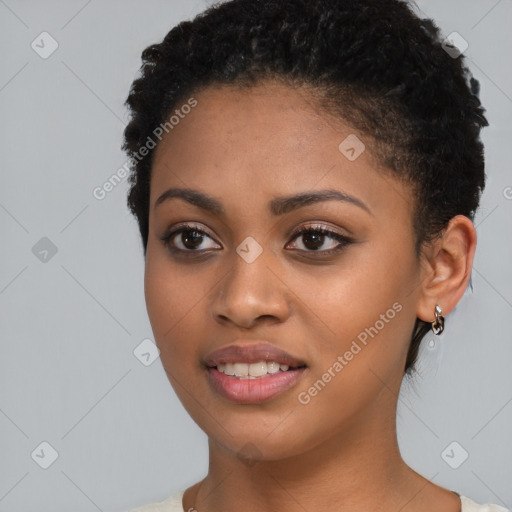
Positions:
{"x": 304, "y": 178}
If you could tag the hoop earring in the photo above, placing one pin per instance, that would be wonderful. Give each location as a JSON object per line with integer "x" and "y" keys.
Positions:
{"x": 438, "y": 323}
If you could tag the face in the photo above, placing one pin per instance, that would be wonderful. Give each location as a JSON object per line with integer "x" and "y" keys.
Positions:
{"x": 325, "y": 285}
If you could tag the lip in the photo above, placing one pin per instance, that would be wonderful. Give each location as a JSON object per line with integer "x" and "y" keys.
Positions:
{"x": 242, "y": 352}
{"x": 252, "y": 391}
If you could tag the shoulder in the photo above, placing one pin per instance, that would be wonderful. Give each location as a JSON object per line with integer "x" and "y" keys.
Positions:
{"x": 171, "y": 504}
{"x": 468, "y": 505}
{"x": 174, "y": 504}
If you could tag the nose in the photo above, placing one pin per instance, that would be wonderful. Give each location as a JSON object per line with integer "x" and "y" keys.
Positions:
{"x": 251, "y": 293}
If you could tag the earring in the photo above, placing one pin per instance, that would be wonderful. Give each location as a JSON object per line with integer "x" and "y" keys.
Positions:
{"x": 438, "y": 323}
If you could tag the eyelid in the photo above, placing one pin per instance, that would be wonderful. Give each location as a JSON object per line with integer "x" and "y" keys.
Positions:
{"x": 320, "y": 226}
{"x": 325, "y": 230}
{"x": 191, "y": 226}
{"x": 315, "y": 227}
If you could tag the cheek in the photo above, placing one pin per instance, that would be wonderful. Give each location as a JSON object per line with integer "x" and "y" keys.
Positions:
{"x": 352, "y": 295}
{"x": 366, "y": 324}
{"x": 172, "y": 296}
{"x": 365, "y": 316}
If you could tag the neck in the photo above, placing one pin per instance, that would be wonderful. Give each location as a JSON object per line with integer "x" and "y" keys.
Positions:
{"x": 359, "y": 468}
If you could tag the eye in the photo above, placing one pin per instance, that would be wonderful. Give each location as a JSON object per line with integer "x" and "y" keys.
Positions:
{"x": 315, "y": 237}
{"x": 187, "y": 238}
{"x": 190, "y": 238}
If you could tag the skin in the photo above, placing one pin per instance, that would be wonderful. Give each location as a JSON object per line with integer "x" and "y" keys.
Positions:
{"x": 338, "y": 452}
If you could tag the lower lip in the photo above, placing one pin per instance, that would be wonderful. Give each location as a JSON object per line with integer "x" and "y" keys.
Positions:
{"x": 252, "y": 391}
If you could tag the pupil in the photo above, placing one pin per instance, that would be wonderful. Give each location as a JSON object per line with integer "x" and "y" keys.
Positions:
{"x": 317, "y": 239}
{"x": 192, "y": 238}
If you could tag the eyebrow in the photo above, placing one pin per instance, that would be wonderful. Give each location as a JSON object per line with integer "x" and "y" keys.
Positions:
{"x": 277, "y": 206}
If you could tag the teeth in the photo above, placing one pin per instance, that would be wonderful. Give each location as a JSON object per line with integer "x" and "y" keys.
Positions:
{"x": 229, "y": 369}
{"x": 252, "y": 370}
{"x": 241, "y": 369}
{"x": 272, "y": 367}
{"x": 258, "y": 369}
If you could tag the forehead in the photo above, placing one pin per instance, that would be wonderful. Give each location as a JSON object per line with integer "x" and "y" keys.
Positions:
{"x": 256, "y": 141}
{"x": 263, "y": 112}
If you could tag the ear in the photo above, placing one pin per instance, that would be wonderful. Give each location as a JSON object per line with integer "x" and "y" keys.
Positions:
{"x": 446, "y": 268}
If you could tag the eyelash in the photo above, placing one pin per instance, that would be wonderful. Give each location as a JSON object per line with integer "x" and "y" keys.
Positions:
{"x": 319, "y": 229}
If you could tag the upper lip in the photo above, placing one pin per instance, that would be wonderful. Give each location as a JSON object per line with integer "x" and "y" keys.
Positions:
{"x": 244, "y": 352}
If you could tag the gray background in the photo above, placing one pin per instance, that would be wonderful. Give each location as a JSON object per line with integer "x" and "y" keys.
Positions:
{"x": 71, "y": 321}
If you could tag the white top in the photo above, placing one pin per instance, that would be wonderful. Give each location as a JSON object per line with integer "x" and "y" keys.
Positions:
{"x": 174, "y": 504}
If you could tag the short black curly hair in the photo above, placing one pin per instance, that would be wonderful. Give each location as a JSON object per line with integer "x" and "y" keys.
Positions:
{"x": 372, "y": 63}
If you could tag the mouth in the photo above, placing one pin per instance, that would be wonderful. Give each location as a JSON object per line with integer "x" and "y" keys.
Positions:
{"x": 255, "y": 370}
{"x": 249, "y": 374}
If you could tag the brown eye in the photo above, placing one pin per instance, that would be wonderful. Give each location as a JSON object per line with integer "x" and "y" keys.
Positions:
{"x": 190, "y": 239}
{"x": 313, "y": 238}
{"x": 187, "y": 238}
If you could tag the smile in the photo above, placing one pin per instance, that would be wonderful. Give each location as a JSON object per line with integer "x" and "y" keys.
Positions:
{"x": 251, "y": 389}
{"x": 253, "y": 370}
